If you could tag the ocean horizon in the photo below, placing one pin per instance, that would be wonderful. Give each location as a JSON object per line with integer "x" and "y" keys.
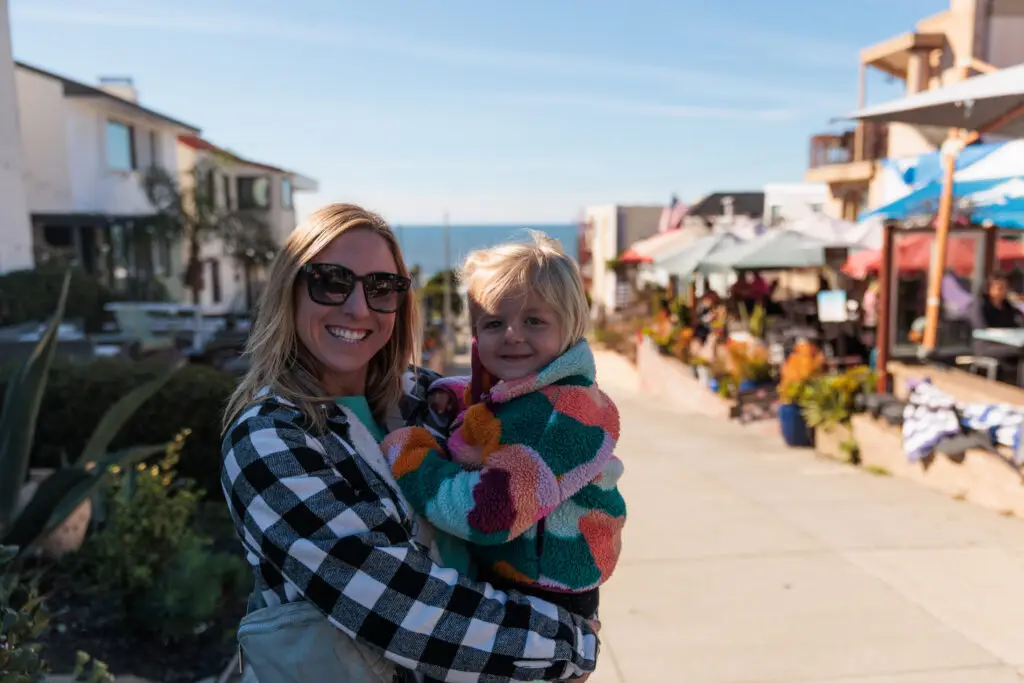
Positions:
{"x": 423, "y": 245}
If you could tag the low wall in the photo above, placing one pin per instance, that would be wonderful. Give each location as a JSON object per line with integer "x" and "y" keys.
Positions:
{"x": 674, "y": 384}
{"x": 980, "y": 477}
{"x": 963, "y": 386}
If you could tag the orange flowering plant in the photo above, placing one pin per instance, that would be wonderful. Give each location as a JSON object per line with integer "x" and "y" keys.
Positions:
{"x": 802, "y": 367}
{"x": 682, "y": 343}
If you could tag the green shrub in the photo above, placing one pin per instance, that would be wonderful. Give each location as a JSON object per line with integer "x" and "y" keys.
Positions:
{"x": 149, "y": 559}
{"x": 23, "y": 619}
{"x": 31, "y": 295}
{"x": 78, "y": 394}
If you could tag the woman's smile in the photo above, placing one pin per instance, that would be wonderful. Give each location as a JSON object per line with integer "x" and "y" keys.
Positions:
{"x": 348, "y": 334}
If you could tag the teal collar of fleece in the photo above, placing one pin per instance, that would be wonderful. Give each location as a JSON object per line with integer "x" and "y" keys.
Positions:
{"x": 578, "y": 361}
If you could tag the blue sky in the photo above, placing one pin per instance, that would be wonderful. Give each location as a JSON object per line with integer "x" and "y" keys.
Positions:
{"x": 493, "y": 111}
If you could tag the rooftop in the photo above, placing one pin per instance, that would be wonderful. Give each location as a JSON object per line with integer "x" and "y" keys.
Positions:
{"x": 74, "y": 88}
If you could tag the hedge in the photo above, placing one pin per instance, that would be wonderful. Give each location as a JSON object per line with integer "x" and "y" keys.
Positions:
{"x": 78, "y": 394}
{"x": 31, "y": 295}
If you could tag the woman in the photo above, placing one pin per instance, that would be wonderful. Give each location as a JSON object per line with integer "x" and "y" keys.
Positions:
{"x": 345, "y": 591}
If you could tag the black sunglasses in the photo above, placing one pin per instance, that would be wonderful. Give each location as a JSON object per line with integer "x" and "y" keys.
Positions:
{"x": 330, "y": 284}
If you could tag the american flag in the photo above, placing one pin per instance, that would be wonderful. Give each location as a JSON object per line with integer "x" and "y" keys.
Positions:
{"x": 672, "y": 216}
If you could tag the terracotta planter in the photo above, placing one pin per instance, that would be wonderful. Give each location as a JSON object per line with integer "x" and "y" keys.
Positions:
{"x": 70, "y": 535}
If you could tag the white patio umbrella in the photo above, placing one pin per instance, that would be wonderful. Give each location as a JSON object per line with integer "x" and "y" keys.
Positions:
{"x": 835, "y": 231}
{"x": 972, "y": 104}
{"x": 983, "y": 104}
{"x": 773, "y": 250}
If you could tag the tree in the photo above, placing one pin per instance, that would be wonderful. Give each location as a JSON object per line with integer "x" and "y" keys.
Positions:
{"x": 189, "y": 211}
{"x": 432, "y": 294}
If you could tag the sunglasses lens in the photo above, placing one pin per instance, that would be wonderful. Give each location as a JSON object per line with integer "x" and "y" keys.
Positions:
{"x": 385, "y": 295}
{"x": 330, "y": 286}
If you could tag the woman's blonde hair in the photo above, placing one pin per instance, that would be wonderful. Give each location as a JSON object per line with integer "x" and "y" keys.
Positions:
{"x": 540, "y": 266}
{"x": 278, "y": 359}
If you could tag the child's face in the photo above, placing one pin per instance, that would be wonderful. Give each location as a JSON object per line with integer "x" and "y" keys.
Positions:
{"x": 519, "y": 338}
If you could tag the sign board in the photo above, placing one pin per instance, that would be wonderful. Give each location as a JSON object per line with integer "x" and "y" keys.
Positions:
{"x": 832, "y": 306}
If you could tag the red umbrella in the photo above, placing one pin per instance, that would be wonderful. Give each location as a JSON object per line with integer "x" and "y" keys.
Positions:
{"x": 914, "y": 253}
{"x": 631, "y": 255}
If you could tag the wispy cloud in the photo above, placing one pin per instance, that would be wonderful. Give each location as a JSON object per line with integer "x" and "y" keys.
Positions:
{"x": 368, "y": 40}
{"x": 435, "y": 164}
{"x": 654, "y": 110}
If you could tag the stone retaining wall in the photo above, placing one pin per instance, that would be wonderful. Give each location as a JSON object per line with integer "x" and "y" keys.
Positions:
{"x": 961, "y": 385}
{"x": 674, "y": 383}
{"x": 980, "y": 477}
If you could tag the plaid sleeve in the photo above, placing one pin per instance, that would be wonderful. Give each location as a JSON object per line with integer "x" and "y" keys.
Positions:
{"x": 345, "y": 554}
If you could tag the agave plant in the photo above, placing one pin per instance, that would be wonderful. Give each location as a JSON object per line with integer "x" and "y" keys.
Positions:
{"x": 68, "y": 487}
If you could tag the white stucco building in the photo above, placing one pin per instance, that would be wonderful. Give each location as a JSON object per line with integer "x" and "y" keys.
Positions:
{"x": 793, "y": 201}
{"x": 610, "y": 229}
{"x": 264, "y": 193}
{"x": 15, "y": 233}
{"x": 85, "y": 152}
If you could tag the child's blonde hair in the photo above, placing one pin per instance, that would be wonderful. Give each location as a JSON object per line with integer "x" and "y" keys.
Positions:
{"x": 517, "y": 268}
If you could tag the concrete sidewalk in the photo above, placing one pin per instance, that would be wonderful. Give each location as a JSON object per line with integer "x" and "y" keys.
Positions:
{"x": 747, "y": 562}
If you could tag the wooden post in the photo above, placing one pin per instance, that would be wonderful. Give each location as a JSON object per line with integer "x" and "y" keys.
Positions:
{"x": 887, "y": 273}
{"x": 860, "y": 132}
{"x": 991, "y": 240}
{"x": 938, "y": 265}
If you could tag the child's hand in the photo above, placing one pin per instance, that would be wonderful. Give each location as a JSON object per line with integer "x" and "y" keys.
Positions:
{"x": 440, "y": 402}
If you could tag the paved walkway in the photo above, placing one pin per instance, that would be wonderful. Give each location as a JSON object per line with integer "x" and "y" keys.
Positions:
{"x": 746, "y": 562}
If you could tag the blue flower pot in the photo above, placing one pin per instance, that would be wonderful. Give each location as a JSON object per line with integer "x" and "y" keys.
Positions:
{"x": 713, "y": 384}
{"x": 747, "y": 385}
{"x": 795, "y": 431}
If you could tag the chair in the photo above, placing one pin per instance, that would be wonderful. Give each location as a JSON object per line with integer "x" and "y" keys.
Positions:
{"x": 975, "y": 364}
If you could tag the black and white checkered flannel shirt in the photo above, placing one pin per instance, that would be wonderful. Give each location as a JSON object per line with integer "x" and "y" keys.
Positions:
{"x": 319, "y": 524}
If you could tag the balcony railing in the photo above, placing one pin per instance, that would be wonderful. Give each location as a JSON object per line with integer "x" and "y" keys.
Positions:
{"x": 847, "y": 147}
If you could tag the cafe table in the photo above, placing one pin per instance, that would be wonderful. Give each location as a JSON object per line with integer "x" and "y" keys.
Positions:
{"x": 1012, "y": 337}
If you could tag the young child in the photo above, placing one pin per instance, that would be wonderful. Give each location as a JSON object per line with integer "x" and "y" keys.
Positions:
{"x": 527, "y": 477}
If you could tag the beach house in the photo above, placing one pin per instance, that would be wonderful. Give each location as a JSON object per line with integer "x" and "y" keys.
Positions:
{"x": 86, "y": 149}
{"x": 969, "y": 38}
{"x": 15, "y": 234}
{"x": 234, "y": 269}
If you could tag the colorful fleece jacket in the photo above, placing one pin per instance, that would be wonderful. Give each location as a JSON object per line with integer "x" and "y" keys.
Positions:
{"x": 529, "y": 479}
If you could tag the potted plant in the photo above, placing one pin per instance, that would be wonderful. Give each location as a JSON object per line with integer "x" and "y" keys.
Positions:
{"x": 747, "y": 365}
{"x": 681, "y": 345}
{"x": 829, "y": 403}
{"x": 801, "y": 368}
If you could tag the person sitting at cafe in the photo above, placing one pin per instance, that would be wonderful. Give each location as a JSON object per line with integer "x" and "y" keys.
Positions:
{"x": 993, "y": 308}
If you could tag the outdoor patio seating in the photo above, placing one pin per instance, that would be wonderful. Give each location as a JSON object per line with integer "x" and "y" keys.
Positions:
{"x": 979, "y": 364}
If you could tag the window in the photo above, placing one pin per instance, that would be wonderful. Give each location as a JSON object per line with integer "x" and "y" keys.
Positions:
{"x": 120, "y": 146}
{"x": 226, "y": 187}
{"x": 774, "y": 215}
{"x": 209, "y": 181}
{"x": 286, "y": 193}
{"x": 817, "y": 208}
{"x": 162, "y": 258}
{"x": 253, "y": 193}
{"x": 154, "y": 149}
{"x": 215, "y": 292}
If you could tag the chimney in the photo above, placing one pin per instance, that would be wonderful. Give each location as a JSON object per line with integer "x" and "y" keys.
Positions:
{"x": 120, "y": 86}
{"x": 727, "y": 208}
